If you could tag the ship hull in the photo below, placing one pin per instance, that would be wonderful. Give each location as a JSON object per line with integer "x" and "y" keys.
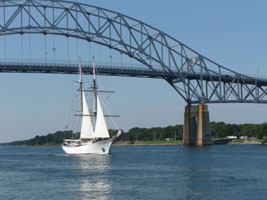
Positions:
{"x": 99, "y": 147}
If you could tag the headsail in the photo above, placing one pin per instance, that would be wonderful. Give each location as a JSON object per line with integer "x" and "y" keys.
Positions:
{"x": 86, "y": 127}
{"x": 101, "y": 130}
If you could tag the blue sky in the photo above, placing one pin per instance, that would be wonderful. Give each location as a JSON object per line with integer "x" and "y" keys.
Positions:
{"x": 232, "y": 33}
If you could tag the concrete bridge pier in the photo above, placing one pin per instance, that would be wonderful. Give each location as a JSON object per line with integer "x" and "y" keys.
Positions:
{"x": 196, "y": 125}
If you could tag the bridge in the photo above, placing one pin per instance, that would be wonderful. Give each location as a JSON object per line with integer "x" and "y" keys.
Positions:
{"x": 196, "y": 78}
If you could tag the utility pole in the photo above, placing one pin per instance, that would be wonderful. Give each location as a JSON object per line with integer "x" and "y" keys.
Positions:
{"x": 154, "y": 137}
{"x": 174, "y": 135}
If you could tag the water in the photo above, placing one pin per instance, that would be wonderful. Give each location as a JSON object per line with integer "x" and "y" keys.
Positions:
{"x": 135, "y": 172}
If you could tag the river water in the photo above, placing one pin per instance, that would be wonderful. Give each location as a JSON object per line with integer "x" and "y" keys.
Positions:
{"x": 135, "y": 172}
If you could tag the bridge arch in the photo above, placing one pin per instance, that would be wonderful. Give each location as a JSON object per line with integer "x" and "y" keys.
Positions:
{"x": 196, "y": 78}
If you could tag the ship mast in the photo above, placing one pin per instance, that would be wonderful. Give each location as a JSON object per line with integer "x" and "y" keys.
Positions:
{"x": 81, "y": 84}
{"x": 94, "y": 89}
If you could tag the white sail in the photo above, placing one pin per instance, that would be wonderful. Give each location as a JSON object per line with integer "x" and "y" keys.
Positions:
{"x": 101, "y": 130}
{"x": 86, "y": 127}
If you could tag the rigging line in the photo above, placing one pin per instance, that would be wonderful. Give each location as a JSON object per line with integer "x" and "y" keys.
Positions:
{"x": 109, "y": 111}
{"x": 72, "y": 126}
{"x": 75, "y": 121}
{"x": 70, "y": 110}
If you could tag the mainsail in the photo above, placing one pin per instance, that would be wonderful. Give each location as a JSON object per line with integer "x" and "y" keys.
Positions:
{"x": 86, "y": 127}
{"x": 101, "y": 130}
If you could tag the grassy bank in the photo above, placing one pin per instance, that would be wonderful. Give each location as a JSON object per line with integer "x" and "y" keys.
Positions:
{"x": 173, "y": 142}
{"x": 247, "y": 141}
{"x": 179, "y": 142}
{"x": 239, "y": 141}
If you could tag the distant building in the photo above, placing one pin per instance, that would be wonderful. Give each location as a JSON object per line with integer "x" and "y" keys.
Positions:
{"x": 168, "y": 139}
{"x": 252, "y": 138}
{"x": 231, "y": 137}
{"x": 244, "y": 137}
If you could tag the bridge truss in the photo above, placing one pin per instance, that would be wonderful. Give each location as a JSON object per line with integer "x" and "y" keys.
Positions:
{"x": 196, "y": 78}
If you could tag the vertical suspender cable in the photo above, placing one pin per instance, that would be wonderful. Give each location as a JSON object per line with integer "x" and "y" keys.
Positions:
{"x": 68, "y": 47}
{"x": 77, "y": 49}
{"x": 89, "y": 37}
{"x": 45, "y": 35}
{"x": 45, "y": 49}
{"x": 22, "y": 48}
{"x": 121, "y": 59}
{"x": 99, "y": 53}
{"x": 54, "y": 42}
{"x": 21, "y": 24}
{"x": 110, "y": 58}
{"x": 68, "y": 50}
{"x": 4, "y": 18}
{"x": 5, "y": 48}
{"x": 54, "y": 49}
{"x": 131, "y": 61}
{"x": 30, "y": 38}
{"x": 89, "y": 52}
{"x": 30, "y": 47}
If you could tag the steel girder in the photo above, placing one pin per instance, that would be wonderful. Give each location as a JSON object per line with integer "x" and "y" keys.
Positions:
{"x": 197, "y": 78}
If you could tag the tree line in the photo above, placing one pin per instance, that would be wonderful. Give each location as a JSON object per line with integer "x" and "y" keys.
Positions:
{"x": 218, "y": 130}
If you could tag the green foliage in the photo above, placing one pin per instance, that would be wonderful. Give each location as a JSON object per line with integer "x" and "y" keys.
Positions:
{"x": 50, "y": 139}
{"x": 221, "y": 130}
{"x": 155, "y": 133}
{"x": 148, "y": 135}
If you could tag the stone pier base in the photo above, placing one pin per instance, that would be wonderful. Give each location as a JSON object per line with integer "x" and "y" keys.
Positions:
{"x": 196, "y": 125}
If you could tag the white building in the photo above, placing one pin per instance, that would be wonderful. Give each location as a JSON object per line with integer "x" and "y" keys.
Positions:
{"x": 231, "y": 137}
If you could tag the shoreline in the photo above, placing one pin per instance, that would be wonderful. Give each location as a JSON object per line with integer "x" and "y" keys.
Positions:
{"x": 165, "y": 143}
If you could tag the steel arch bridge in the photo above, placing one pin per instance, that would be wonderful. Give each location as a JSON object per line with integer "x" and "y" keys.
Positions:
{"x": 196, "y": 78}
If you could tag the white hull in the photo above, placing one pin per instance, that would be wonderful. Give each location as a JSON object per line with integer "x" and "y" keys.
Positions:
{"x": 90, "y": 147}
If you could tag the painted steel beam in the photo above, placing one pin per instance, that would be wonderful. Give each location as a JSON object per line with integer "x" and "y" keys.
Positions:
{"x": 195, "y": 77}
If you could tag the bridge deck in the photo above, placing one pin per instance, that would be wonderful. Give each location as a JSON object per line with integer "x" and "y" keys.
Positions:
{"x": 63, "y": 68}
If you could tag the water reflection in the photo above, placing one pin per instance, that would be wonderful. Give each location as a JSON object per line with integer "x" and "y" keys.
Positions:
{"x": 94, "y": 176}
{"x": 198, "y": 173}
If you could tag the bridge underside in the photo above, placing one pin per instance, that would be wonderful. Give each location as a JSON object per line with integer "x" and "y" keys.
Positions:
{"x": 194, "y": 88}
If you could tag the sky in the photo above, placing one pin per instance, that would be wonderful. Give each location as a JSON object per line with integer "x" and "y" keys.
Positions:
{"x": 232, "y": 33}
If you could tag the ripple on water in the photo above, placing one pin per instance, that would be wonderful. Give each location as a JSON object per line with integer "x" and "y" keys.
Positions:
{"x": 135, "y": 172}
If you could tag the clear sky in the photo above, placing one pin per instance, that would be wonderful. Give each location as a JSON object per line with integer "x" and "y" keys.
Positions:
{"x": 232, "y": 33}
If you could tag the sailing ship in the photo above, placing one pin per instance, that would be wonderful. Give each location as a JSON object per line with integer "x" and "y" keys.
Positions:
{"x": 94, "y": 136}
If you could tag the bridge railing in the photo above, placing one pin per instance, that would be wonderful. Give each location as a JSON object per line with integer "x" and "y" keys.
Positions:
{"x": 72, "y": 63}
{"x": 111, "y": 65}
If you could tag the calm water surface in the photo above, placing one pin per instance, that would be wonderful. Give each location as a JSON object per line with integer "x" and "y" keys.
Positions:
{"x": 135, "y": 172}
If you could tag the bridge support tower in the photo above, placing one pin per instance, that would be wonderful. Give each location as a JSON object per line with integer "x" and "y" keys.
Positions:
{"x": 196, "y": 125}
